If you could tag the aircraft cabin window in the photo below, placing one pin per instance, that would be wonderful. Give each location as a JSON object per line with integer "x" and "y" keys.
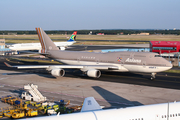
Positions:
{"x": 157, "y": 55}
{"x": 139, "y": 56}
{"x": 124, "y": 55}
{"x": 179, "y": 114}
{"x": 165, "y": 116}
{"x": 176, "y": 115}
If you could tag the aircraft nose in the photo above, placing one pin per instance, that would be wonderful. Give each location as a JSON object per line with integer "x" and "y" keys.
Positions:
{"x": 168, "y": 64}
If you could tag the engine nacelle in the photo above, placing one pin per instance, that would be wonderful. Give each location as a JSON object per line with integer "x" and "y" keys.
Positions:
{"x": 94, "y": 73}
{"x": 57, "y": 72}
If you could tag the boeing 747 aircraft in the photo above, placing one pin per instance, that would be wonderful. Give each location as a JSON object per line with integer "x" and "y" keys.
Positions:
{"x": 93, "y": 63}
{"x": 37, "y": 46}
{"x": 91, "y": 110}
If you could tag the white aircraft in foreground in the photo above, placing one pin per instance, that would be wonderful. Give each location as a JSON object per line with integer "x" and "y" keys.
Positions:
{"x": 93, "y": 63}
{"x": 37, "y": 46}
{"x": 91, "y": 110}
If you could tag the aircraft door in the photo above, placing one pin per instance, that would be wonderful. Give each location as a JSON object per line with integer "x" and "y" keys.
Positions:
{"x": 97, "y": 61}
{"x": 144, "y": 64}
{"x": 132, "y": 55}
{"x": 157, "y": 117}
{"x": 78, "y": 60}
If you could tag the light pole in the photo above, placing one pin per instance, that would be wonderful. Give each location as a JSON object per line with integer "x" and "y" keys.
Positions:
{"x": 178, "y": 60}
{"x": 169, "y": 56}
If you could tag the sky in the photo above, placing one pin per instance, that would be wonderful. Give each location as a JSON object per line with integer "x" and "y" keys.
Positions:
{"x": 89, "y": 14}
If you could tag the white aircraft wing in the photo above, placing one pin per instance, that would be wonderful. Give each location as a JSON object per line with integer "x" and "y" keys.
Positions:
{"x": 90, "y": 104}
{"x": 85, "y": 67}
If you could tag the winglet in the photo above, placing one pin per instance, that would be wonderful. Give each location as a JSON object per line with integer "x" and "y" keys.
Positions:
{"x": 73, "y": 37}
{"x": 8, "y": 65}
{"x": 90, "y": 104}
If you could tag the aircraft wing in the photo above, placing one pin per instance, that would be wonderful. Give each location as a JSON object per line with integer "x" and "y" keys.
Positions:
{"x": 84, "y": 67}
{"x": 90, "y": 104}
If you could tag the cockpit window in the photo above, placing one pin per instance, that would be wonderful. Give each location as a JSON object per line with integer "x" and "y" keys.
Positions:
{"x": 158, "y": 56}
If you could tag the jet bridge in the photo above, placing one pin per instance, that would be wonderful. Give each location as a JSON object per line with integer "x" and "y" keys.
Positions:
{"x": 35, "y": 94}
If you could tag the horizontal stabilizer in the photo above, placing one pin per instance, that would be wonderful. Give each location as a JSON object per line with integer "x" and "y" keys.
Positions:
{"x": 90, "y": 104}
{"x": 26, "y": 51}
{"x": 8, "y": 65}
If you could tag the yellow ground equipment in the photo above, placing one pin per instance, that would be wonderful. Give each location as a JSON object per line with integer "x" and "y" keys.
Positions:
{"x": 5, "y": 99}
{"x": 31, "y": 112}
{"x": 1, "y": 114}
{"x": 18, "y": 114}
{"x": 76, "y": 108}
{"x": 28, "y": 108}
{"x": 55, "y": 107}
{"x": 12, "y": 100}
{"x": 8, "y": 113}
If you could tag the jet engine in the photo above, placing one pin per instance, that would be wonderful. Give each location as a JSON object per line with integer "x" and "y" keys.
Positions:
{"x": 57, "y": 72}
{"x": 94, "y": 73}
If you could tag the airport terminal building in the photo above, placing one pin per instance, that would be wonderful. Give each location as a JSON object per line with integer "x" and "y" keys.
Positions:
{"x": 3, "y": 50}
{"x": 2, "y": 43}
{"x": 165, "y": 46}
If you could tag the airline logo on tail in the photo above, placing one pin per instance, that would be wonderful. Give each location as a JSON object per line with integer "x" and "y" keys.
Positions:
{"x": 41, "y": 40}
{"x": 73, "y": 37}
{"x": 46, "y": 43}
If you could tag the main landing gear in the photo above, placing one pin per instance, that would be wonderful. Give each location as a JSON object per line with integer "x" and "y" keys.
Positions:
{"x": 153, "y": 76}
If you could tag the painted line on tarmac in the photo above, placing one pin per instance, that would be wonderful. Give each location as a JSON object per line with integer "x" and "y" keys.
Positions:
{"x": 146, "y": 79}
{"x": 95, "y": 98}
{"x": 7, "y": 92}
{"x": 167, "y": 81}
{"x": 124, "y": 76}
{"x": 73, "y": 95}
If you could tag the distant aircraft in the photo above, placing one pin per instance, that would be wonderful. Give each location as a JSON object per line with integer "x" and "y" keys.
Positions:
{"x": 37, "y": 46}
{"x": 91, "y": 110}
{"x": 93, "y": 63}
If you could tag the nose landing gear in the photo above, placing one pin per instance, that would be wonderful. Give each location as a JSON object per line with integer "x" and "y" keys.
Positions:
{"x": 153, "y": 76}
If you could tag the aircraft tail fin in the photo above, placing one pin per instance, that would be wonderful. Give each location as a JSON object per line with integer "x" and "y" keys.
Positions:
{"x": 46, "y": 43}
{"x": 73, "y": 37}
{"x": 90, "y": 104}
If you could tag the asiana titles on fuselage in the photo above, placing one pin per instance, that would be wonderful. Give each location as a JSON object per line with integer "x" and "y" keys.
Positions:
{"x": 133, "y": 60}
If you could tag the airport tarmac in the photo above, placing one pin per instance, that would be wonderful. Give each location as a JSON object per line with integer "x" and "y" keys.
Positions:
{"x": 76, "y": 88}
{"x": 110, "y": 90}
